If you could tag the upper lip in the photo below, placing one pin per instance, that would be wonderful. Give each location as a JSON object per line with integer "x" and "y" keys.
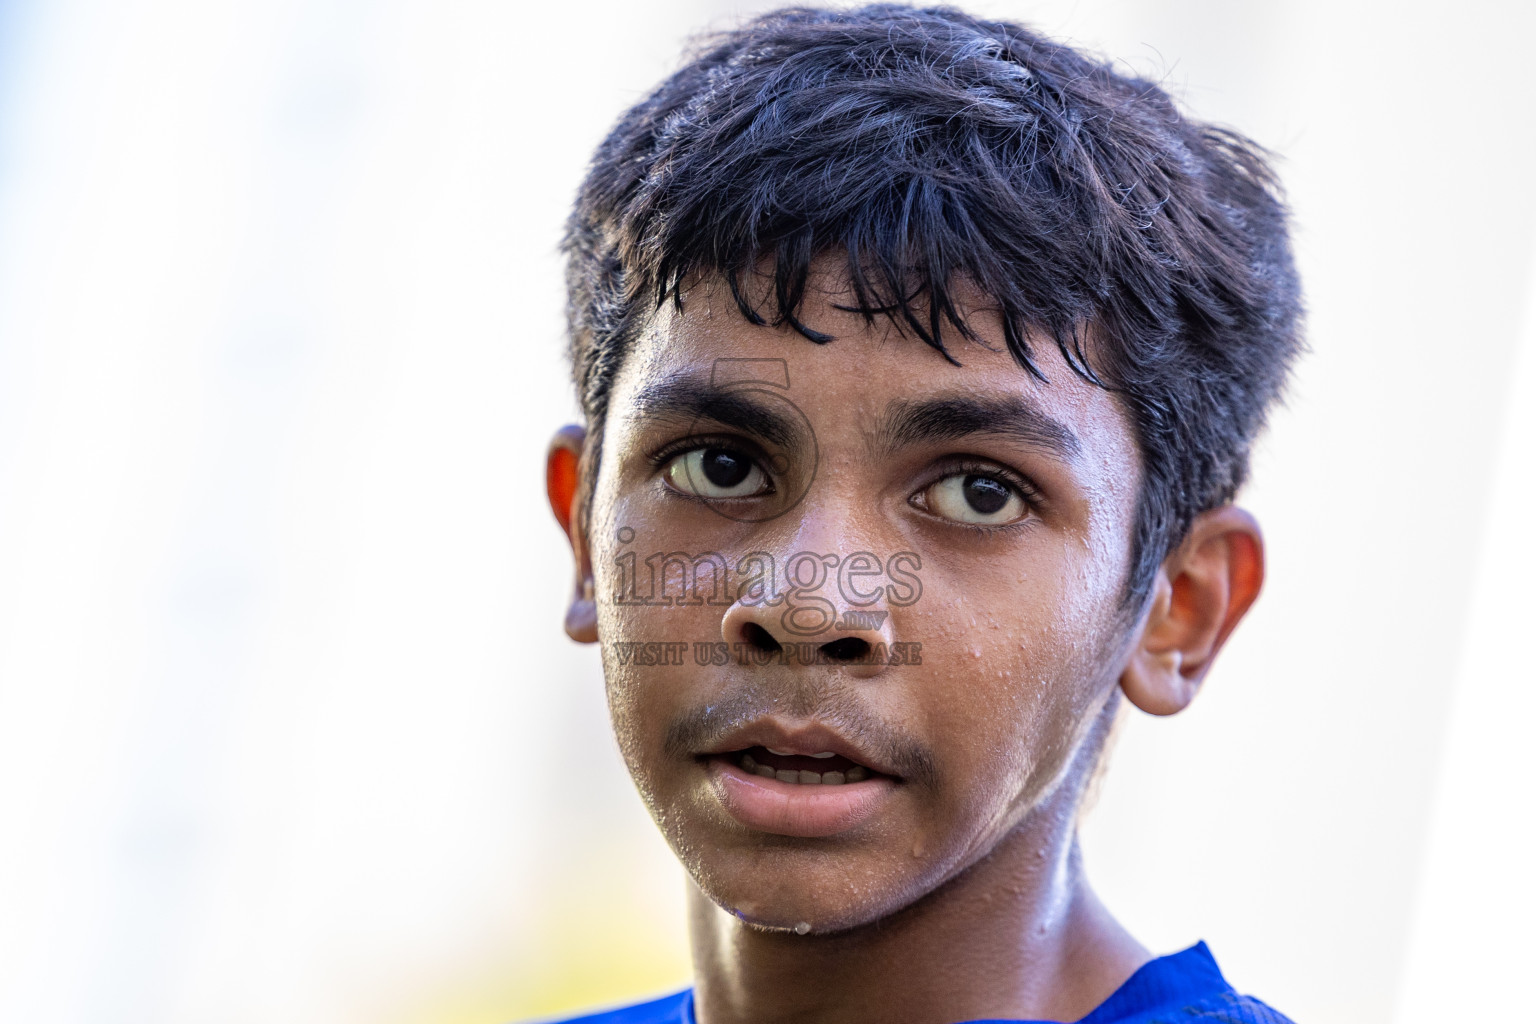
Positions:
{"x": 802, "y": 738}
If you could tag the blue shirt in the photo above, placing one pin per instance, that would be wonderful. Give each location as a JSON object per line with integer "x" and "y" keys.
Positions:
{"x": 1182, "y": 987}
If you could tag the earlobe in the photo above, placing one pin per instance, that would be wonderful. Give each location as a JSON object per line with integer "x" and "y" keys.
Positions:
{"x": 1153, "y": 678}
{"x": 581, "y": 615}
{"x": 562, "y": 481}
{"x": 1202, "y": 591}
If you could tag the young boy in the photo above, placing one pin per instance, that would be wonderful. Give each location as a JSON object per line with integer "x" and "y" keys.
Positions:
{"x": 920, "y": 358}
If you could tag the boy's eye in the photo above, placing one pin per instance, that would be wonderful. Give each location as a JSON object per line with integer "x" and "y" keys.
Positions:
{"x": 974, "y": 498}
{"x": 716, "y": 473}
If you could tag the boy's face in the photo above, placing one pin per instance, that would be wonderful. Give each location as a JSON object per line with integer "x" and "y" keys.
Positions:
{"x": 971, "y": 510}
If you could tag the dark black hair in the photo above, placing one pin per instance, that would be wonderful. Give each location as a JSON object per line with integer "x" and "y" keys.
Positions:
{"x": 928, "y": 147}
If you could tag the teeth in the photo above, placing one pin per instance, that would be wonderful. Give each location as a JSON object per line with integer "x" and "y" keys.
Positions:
{"x": 749, "y": 764}
{"x": 781, "y": 753}
{"x": 854, "y": 774}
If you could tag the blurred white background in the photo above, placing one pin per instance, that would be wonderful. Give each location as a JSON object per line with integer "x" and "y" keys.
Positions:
{"x": 288, "y": 727}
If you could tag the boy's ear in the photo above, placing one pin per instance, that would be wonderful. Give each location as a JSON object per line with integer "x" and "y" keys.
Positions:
{"x": 1203, "y": 588}
{"x": 562, "y": 479}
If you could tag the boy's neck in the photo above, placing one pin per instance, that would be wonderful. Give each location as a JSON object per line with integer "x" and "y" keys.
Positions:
{"x": 1017, "y": 935}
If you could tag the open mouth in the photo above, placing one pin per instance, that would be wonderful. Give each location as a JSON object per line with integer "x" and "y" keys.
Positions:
{"x": 802, "y": 792}
{"x": 820, "y": 769}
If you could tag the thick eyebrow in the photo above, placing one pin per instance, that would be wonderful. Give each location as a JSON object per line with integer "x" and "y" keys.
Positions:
{"x": 958, "y": 417}
{"x": 689, "y": 396}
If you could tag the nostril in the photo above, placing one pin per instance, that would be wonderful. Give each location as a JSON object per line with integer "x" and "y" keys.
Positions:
{"x": 848, "y": 648}
{"x": 759, "y": 637}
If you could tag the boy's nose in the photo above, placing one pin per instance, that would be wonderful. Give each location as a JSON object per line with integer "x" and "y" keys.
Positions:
{"x": 822, "y": 628}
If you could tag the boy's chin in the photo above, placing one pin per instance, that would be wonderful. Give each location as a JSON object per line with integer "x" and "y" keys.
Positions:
{"x": 797, "y": 897}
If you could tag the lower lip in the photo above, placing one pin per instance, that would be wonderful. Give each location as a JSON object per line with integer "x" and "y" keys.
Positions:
{"x": 791, "y": 809}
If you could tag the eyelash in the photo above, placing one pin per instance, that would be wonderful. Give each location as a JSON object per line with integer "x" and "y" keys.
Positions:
{"x": 672, "y": 449}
